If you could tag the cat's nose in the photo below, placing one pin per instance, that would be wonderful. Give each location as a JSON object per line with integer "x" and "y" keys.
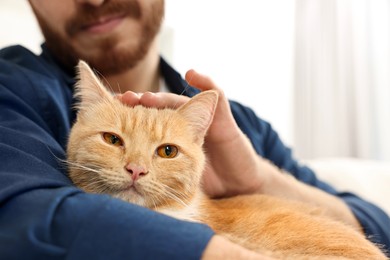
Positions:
{"x": 135, "y": 171}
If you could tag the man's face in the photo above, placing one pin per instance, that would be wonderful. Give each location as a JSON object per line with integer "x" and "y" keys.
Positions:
{"x": 111, "y": 35}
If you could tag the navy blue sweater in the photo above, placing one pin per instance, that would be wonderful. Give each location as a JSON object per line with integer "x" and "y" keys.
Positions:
{"x": 43, "y": 216}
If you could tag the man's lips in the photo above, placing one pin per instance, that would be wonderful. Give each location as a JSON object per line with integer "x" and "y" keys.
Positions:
{"x": 104, "y": 24}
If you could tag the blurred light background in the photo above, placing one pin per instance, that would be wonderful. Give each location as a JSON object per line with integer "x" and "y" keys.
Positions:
{"x": 317, "y": 70}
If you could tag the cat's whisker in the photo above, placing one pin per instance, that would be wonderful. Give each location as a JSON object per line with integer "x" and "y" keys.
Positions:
{"x": 80, "y": 166}
{"x": 114, "y": 178}
{"x": 62, "y": 162}
{"x": 185, "y": 89}
{"x": 171, "y": 193}
{"x": 154, "y": 201}
{"x": 95, "y": 183}
{"x": 155, "y": 194}
{"x": 99, "y": 180}
{"x": 107, "y": 83}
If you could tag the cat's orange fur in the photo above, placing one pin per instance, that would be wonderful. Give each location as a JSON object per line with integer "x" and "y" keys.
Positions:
{"x": 287, "y": 229}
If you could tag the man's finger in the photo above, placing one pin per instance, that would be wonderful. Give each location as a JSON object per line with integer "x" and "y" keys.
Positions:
{"x": 129, "y": 98}
{"x": 200, "y": 81}
{"x": 204, "y": 83}
{"x": 162, "y": 100}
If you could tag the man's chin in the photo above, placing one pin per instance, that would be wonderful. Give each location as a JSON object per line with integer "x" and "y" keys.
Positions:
{"x": 110, "y": 61}
{"x": 113, "y": 63}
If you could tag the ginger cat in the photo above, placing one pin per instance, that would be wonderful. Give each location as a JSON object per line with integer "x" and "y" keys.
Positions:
{"x": 154, "y": 158}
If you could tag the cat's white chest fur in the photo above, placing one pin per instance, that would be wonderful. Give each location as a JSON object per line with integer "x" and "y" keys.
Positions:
{"x": 189, "y": 213}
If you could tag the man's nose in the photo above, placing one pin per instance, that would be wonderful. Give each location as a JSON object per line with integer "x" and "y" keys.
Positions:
{"x": 91, "y": 2}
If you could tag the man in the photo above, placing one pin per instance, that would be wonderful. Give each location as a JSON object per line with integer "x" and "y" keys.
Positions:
{"x": 43, "y": 216}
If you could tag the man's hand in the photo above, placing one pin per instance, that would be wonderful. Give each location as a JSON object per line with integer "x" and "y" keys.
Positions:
{"x": 232, "y": 166}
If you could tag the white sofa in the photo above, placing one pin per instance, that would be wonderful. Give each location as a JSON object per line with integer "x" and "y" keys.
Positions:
{"x": 367, "y": 178}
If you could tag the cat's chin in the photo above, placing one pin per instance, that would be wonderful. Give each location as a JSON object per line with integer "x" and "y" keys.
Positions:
{"x": 132, "y": 195}
{"x": 133, "y": 191}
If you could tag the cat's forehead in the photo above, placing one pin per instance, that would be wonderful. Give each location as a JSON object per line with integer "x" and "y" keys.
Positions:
{"x": 137, "y": 120}
{"x": 157, "y": 121}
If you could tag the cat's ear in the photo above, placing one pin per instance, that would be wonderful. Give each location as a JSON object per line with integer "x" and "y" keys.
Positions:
{"x": 199, "y": 111}
{"x": 89, "y": 89}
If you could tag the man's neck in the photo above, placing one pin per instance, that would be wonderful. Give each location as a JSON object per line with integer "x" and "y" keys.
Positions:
{"x": 141, "y": 78}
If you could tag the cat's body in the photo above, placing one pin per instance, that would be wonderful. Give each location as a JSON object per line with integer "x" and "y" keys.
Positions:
{"x": 154, "y": 158}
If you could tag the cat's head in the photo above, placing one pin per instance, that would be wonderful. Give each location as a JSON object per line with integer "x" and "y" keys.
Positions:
{"x": 148, "y": 156}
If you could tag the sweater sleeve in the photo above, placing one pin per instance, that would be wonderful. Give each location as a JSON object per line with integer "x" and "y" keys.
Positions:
{"x": 374, "y": 221}
{"x": 43, "y": 216}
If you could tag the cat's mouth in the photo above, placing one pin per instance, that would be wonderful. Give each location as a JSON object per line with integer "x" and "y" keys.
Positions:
{"x": 132, "y": 189}
{"x": 128, "y": 189}
{"x": 131, "y": 194}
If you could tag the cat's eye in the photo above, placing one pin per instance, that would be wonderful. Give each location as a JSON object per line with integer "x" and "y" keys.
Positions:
{"x": 167, "y": 151}
{"x": 112, "y": 139}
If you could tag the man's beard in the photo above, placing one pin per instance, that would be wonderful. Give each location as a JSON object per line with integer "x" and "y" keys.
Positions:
{"x": 110, "y": 58}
